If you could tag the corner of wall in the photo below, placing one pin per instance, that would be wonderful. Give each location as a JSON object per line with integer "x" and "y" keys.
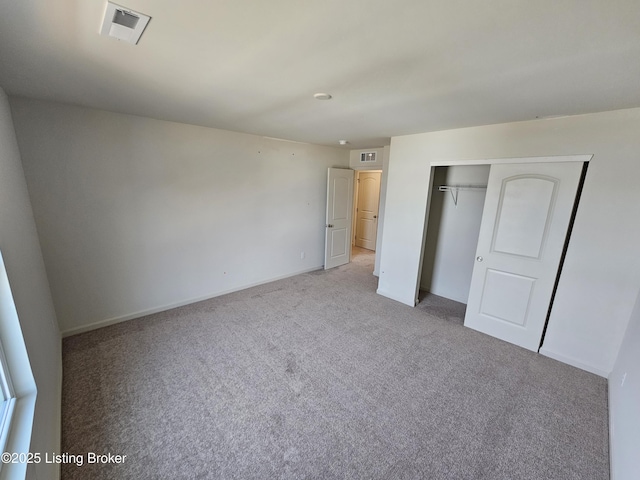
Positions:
{"x": 30, "y": 288}
{"x": 624, "y": 398}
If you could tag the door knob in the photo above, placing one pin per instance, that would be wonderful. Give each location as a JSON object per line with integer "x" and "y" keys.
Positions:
{"x": 375, "y": 216}
{"x": 479, "y": 258}
{"x": 329, "y": 225}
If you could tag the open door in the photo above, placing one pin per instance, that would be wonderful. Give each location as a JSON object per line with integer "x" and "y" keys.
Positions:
{"x": 339, "y": 215}
{"x": 525, "y": 220}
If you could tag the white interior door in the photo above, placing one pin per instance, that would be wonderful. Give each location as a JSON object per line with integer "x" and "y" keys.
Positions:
{"x": 367, "y": 209}
{"x": 524, "y": 226}
{"x": 339, "y": 217}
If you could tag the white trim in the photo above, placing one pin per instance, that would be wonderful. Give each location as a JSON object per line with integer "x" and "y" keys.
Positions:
{"x": 612, "y": 475}
{"x": 573, "y": 362}
{"x": 6, "y": 415}
{"x": 8, "y": 400}
{"x": 19, "y": 370}
{"x": 491, "y": 161}
{"x": 411, "y": 302}
{"x": 150, "y": 311}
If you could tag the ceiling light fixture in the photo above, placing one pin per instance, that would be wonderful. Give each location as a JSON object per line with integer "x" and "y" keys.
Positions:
{"x": 322, "y": 96}
{"x": 342, "y": 142}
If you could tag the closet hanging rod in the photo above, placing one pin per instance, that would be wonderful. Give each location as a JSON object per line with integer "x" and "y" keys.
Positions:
{"x": 446, "y": 188}
{"x": 454, "y": 189}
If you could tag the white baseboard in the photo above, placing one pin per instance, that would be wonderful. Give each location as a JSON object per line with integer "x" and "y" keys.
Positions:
{"x": 150, "y": 311}
{"x": 387, "y": 294}
{"x": 574, "y": 363}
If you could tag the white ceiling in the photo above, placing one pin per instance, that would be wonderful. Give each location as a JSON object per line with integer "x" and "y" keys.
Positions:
{"x": 393, "y": 67}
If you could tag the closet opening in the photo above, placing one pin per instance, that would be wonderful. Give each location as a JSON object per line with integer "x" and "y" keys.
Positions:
{"x": 453, "y": 225}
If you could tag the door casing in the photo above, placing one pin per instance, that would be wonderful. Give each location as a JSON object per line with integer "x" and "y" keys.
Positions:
{"x": 369, "y": 217}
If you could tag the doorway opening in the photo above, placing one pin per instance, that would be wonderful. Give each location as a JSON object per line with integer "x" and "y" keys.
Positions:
{"x": 453, "y": 220}
{"x": 353, "y": 203}
{"x": 366, "y": 209}
{"x": 363, "y": 257}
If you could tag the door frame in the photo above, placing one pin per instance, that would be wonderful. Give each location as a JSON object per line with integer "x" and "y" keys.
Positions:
{"x": 356, "y": 192}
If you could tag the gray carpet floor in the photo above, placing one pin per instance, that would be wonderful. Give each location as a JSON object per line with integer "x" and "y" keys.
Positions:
{"x": 318, "y": 377}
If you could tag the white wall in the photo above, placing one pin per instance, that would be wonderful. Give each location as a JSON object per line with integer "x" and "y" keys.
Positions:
{"x": 381, "y": 210}
{"x": 601, "y": 274}
{"x": 26, "y": 273}
{"x": 624, "y": 404}
{"x": 452, "y": 235}
{"x": 136, "y": 215}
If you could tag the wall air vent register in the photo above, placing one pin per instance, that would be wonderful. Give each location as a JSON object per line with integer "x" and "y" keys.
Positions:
{"x": 367, "y": 157}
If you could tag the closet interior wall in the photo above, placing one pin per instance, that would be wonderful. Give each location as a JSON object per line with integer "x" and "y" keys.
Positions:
{"x": 452, "y": 231}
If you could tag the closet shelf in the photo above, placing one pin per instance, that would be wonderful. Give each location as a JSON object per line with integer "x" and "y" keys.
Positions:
{"x": 454, "y": 189}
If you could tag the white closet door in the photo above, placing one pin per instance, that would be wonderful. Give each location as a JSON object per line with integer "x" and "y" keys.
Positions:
{"x": 526, "y": 215}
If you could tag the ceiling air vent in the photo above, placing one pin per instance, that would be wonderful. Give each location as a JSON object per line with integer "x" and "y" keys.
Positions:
{"x": 123, "y": 24}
